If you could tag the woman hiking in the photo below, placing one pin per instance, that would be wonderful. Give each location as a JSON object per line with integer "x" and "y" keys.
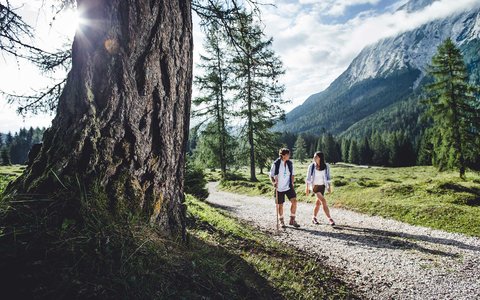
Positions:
{"x": 318, "y": 179}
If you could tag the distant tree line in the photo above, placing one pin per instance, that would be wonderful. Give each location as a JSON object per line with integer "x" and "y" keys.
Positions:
{"x": 14, "y": 148}
{"x": 394, "y": 149}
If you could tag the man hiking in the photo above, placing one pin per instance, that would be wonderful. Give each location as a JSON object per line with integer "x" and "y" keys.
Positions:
{"x": 282, "y": 176}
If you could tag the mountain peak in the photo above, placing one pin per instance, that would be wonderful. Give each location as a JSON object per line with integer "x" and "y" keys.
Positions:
{"x": 415, "y": 5}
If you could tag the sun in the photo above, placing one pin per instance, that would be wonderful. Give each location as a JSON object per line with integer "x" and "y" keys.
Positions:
{"x": 68, "y": 22}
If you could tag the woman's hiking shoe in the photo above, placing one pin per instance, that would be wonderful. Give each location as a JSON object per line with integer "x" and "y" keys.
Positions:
{"x": 315, "y": 221}
{"x": 331, "y": 222}
{"x": 293, "y": 222}
{"x": 282, "y": 223}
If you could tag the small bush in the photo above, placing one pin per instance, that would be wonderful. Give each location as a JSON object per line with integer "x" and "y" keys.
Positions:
{"x": 397, "y": 189}
{"x": 340, "y": 182}
{"x": 195, "y": 182}
{"x": 368, "y": 183}
{"x": 234, "y": 177}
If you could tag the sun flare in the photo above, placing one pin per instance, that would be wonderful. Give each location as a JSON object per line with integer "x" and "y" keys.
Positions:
{"x": 69, "y": 22}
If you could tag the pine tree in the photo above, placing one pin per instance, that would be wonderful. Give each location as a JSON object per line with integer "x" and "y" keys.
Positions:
{"x": 345, "y": 149}
{"x": 425, "y": 149}
{"x": 206, "y": 152}
{"x": 394, "y": 150}
{"x": 257, "y": 91}
{"x": 407, "y": 154}
{"x": 353, "y": 153}
{"x": 330, "y": 148}
{"x": 451, "y": 106}
{"x": 338, "y": 151}
{"x": 9, "y": 139}
{"x": 365, "y": 152}
{"x": 5, "y": 155}
{"x": 268, "y": 150}
{"x": 213, "y": 84}
{"x": 300, "y": 151}
{"x": 380, "y": 150}
{"x": 320, "y": 146}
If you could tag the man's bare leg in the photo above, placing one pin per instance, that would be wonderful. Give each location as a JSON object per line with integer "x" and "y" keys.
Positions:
{"x": 293, "y": 210}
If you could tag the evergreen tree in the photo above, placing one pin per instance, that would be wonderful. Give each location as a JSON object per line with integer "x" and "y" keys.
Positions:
{"x": 408, "y": 157}
{"x": 394, "y": 150}
{"x": 320, "y": 145}
{"x": 9, "y": 139}
{"x": 5, "y": 156}
{"x": 452, "y": 108}
{"x": 213, "y": 104}
{"x": 353, "y": 153}
{"x": 206, "y": 152}
{"x": 338, "y": 152}
{"x": 300, "y": 152}
{"x": 345, "y": 149}
{"x": 267, "y": 149}
{"x": 330, "y": 148}
{"x": 380, "y": 150}
{"x": 365, "y": 152}
{"x": 425, "y": 149}
{"x": 257, "y": 91}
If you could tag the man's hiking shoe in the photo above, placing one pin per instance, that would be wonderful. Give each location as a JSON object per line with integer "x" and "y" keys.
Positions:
{"x": 331, "y": 222}
{"x": 282, "y": 223}
{"x": 293, "y": 222}
{"x": 315, "y": 221}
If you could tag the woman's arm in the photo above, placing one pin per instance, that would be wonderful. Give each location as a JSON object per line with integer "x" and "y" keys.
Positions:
{"x": 329, "y": 179}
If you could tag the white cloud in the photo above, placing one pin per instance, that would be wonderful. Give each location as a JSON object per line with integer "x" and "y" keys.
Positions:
{"x": 338, "y": 7}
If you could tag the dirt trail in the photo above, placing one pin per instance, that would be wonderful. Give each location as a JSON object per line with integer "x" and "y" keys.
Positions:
{"x": 381, "y": 258}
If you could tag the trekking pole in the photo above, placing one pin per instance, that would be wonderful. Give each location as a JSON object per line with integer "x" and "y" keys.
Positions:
{"x": 276, "y": 208}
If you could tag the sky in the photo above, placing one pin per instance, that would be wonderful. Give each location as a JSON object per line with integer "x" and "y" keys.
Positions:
{"x": 316, "y": 40}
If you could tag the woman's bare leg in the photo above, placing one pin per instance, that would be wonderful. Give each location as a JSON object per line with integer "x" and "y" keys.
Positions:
{"x": 323, "y": 201}
{"x": 317, "y": 208}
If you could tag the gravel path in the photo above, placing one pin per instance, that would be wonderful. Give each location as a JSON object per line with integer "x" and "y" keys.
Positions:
{"x": 380, "y": 258}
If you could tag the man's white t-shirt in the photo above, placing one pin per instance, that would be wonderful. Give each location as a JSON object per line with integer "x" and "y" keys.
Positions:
{"x": 283, "y": 176}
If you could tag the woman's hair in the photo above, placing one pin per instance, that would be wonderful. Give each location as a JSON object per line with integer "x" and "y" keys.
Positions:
{"x": 283, "y": 151}
{"x": 323, "y": 165}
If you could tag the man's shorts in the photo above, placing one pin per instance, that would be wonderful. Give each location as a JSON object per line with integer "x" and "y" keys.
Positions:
{"x": 290, "y": 194}
{"x": 319, "y": 189}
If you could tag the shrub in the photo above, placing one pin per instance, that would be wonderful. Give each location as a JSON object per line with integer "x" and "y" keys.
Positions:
{"x": 195, "y": 181}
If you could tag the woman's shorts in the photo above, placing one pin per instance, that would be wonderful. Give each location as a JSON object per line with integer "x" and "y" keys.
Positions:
{"x": 319, "y": 189}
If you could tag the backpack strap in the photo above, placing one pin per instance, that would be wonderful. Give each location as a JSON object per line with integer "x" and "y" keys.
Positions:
{"x": 277, "y": 166}
{"x": 290, "y": 167}
{"x": 312, "y": 169}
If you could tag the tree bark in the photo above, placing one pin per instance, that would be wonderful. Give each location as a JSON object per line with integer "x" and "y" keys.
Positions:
{"x": 123, "y": 118}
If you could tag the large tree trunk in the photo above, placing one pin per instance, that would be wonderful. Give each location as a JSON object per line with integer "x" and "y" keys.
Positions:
{"x": 122, "y": 120}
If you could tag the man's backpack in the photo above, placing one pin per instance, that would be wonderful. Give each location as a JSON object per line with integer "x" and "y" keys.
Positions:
{"x": 277, "y": 163}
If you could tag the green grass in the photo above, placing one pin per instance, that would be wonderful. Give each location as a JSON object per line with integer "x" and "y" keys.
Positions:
{"x": 416, "y": 195}
{"x": 48, "y": 255}
{"x": 8, "y": 173}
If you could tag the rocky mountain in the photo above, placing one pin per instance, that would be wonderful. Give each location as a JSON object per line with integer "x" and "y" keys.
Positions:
{"x": 383, "y": 75}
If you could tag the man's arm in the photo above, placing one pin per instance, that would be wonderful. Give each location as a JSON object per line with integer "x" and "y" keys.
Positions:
{"x": 273, "y": 178}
